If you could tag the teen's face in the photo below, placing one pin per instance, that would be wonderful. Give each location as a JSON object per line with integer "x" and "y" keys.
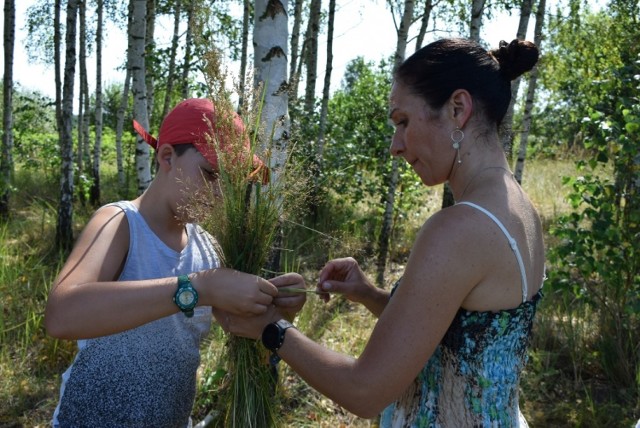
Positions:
{"x": 196, "y": 179}
{"x": 420, "y": 136}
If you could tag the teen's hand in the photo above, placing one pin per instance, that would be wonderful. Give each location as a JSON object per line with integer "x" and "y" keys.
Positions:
{"x": 247, "y": 326}
{"x": 233, "y": 291}
{"x": 289, "y": 303}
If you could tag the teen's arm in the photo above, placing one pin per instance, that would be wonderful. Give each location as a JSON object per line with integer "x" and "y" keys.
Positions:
{"x": 86, "y": 299}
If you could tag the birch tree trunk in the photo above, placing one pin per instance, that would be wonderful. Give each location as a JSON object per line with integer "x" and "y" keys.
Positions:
{"x": 124, "y": 102}
{"x": 324, "y": 110}
{"x": 84, "y": 129}
{"x": 80, "y": 146}
{"x": 177, "y": 13}
{"x": 270, "y": 44}
{"x": 244, "y": 56}
{"x": 186, "y": 67}
{"x": 149, "y": 52}
{"x": 82, "y": 93}
{"x": 424, "y": 23}
{"x": 326, "y": 89}
{"x": 139, "y": 90}
{"x": 311, "y": 56}
{"x": 94, "y": 195}
{"x": 64, "y": 229}
{"x": 270, "y": 38}
{"x": 403, "y": 33}
{"x": 6, "y": 158}
{"x": 506, "y": 127}
{"x": 389, "y": 201}
{"x": 172, "y": 58}
{"x": 528, "y": 108}
{"x": 57, "y": 38}
{"x": 295, "y": 43}
{"x": 477, "y": 10}
{"x": 86, "y": 143}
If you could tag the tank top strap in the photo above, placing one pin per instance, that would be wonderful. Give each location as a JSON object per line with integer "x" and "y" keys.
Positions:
{"x": 512, "y": 243}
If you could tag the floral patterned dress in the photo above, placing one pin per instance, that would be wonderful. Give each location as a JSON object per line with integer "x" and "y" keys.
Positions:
{"x": 472, "y": 378}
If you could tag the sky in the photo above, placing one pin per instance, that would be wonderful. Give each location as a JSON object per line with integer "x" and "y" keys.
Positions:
{"x": 362, "y": 28}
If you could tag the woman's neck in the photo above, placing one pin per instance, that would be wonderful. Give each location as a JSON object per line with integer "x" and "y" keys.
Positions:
{"x": 479, "y": 159}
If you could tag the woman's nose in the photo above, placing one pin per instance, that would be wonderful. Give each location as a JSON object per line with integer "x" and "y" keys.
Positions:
{"x": 397, "y": 145}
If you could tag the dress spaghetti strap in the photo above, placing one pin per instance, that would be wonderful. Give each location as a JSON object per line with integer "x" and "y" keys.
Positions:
{"x": 512, "y": 243}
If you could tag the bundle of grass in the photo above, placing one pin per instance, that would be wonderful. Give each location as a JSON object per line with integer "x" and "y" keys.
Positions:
{"x": 253, "y": 202}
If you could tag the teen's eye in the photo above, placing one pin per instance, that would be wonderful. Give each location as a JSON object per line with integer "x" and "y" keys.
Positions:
{"x": 210, "y": 174}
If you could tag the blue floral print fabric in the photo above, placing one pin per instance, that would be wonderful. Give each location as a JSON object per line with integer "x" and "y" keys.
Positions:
{"x": 472, "y": 378}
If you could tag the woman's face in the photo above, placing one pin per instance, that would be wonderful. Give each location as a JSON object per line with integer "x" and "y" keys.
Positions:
{"x": 421, "y": 136}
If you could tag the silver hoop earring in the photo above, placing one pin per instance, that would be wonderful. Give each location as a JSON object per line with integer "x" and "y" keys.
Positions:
{"x": 457, "y": 136}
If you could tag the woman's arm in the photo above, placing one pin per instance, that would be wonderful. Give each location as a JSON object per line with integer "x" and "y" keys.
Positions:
{"x": 434, "y": 285}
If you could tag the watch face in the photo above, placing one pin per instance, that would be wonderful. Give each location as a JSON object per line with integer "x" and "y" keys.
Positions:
{"x": 186, "y": 297}
{"x": 271, "y": 336}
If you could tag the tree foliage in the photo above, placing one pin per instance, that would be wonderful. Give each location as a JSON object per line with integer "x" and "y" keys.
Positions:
{"x": 358, "y": 135}
{"x": 357, "y": 161}
{"x": 597, "y": 93}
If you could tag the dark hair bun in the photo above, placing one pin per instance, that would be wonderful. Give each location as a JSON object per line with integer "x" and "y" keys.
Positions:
{"x": 515, "y": 58}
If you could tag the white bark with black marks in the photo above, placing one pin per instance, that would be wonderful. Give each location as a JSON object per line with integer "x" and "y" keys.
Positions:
{"x": 64, "y": 229}
{"x": 124, "y": 100}
{"x": 139, "y": 90}
{"x": 531, "y": 90}
{"x": 6, "y": 159}
{"x": 270, "y": 42}
{"x": 506, "y": 127}
{"x": 475, "y": 25}
{"x": 97, "y": 145}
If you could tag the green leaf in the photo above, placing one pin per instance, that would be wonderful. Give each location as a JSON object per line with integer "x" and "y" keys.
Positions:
{"x": 632, "y": 127}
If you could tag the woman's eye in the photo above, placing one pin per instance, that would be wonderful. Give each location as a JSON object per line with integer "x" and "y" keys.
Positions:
{"x": 397, "y": 120}
{"x": 397, "y": 124}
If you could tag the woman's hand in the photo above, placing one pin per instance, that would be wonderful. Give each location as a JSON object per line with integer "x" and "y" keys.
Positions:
{"x": 345, "y": 277}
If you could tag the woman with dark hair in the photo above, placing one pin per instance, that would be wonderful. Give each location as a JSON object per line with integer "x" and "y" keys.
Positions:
{"x": 452, "y": 336}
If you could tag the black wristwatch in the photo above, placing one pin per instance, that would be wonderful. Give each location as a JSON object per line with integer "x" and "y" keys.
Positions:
{"x": 273, "y": 334}
{"x": 186, "y": 297}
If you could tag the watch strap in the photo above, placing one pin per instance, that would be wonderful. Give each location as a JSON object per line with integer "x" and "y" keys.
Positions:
{"x": 184, "y": 283}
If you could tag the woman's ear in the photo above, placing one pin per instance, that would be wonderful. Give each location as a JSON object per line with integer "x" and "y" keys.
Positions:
{"x": 164, "y": 156}
{"x": 461, "y": 107}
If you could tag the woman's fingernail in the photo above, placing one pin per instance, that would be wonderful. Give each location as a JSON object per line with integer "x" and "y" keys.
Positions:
{"x": 326, "y": 286}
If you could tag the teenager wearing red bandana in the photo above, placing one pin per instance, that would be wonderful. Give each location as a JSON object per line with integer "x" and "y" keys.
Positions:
{"x": 138, "y": 289}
